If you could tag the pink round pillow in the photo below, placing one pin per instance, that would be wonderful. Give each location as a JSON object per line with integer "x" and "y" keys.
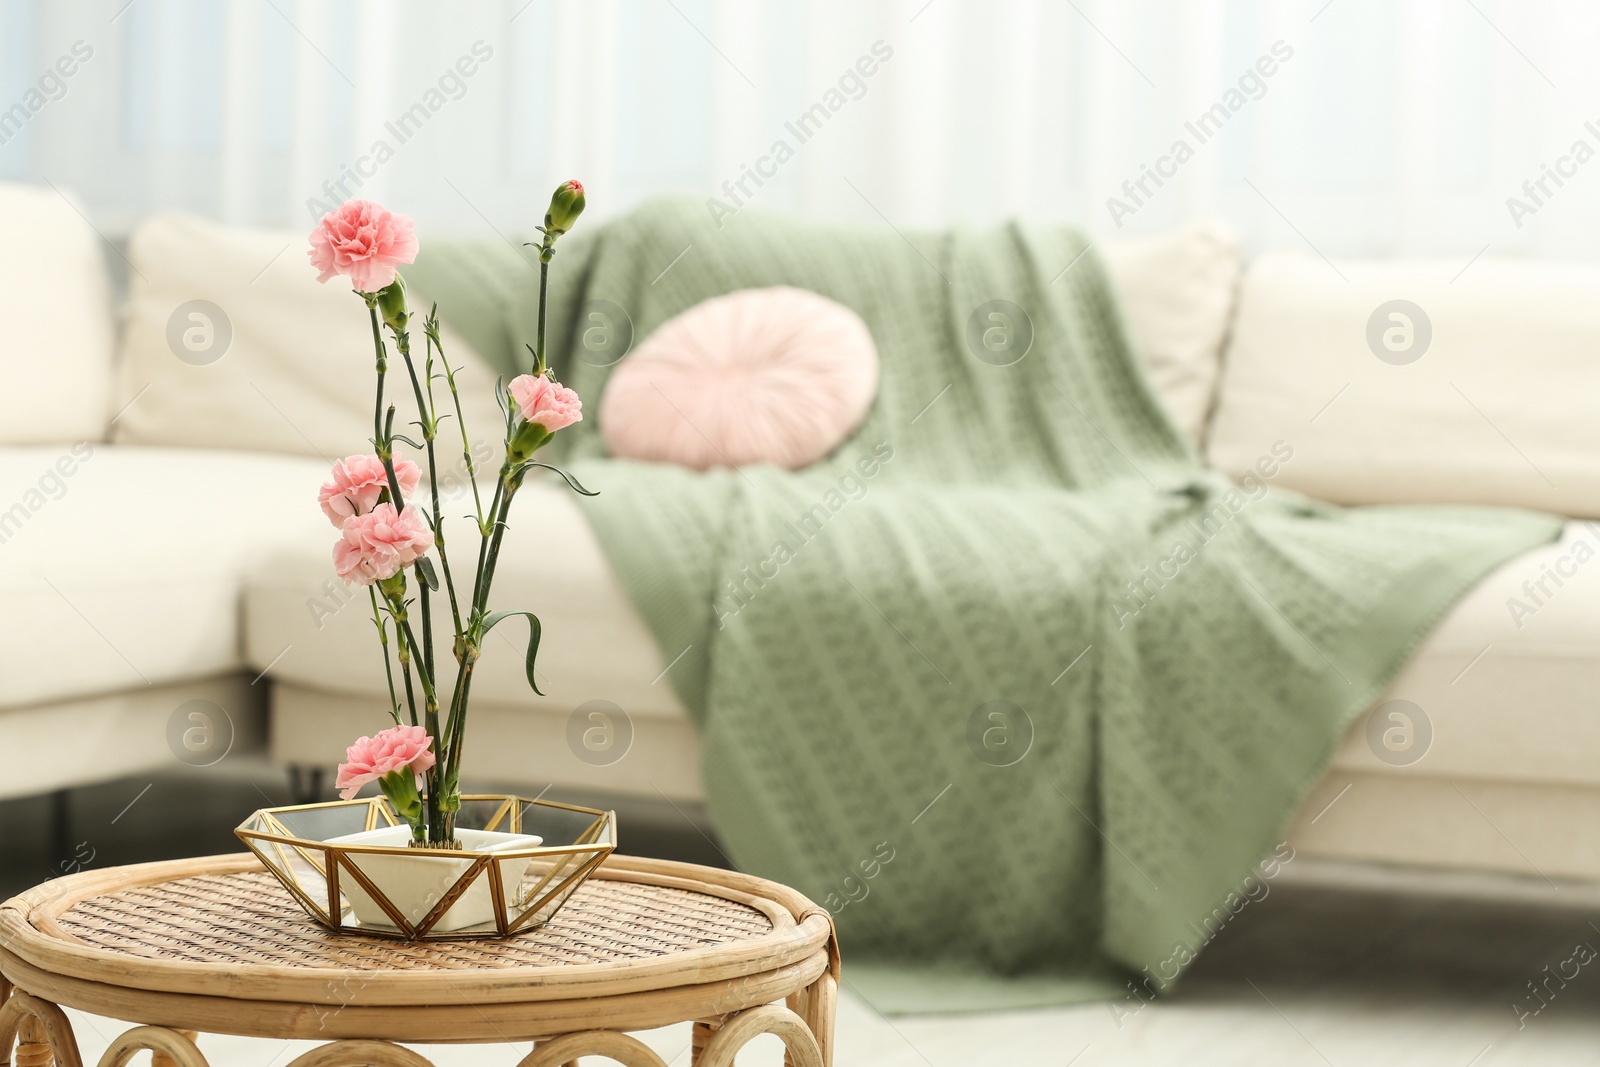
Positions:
{"x": 776, "y": 375}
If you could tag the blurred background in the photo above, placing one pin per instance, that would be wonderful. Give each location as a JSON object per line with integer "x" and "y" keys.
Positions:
{"x": 1389, "y": 129}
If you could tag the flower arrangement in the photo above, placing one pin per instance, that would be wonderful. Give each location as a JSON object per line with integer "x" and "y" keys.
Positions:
{"x": 388, "y": 526}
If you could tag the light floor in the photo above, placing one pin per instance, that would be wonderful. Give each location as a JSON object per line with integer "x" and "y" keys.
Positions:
{"x": 1311, "y": 975}
{"x": 1365, "y": 973}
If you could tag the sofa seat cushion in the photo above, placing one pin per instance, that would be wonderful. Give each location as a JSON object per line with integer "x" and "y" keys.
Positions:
{"x": 1507, "y": 680}
{"x": 113, "y": 735}
{"x": 513, "y": 746}
{"x": 122, "y": 567}
{"x": 304, "y": 626}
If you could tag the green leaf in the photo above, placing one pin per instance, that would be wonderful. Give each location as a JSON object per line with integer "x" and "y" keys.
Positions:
{"x": 573, "y": 482}
{"x": 425, "y": 572}
{"x": 534, "y": 630}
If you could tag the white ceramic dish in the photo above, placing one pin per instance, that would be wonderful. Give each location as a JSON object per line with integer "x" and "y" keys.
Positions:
{"x": 415, "y": 881}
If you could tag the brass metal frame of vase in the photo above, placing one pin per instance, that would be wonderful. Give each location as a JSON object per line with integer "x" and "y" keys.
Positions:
{"x": 525, "y": 885}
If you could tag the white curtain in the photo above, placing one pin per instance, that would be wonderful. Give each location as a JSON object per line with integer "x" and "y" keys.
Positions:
{"x": 1357, "y": 127}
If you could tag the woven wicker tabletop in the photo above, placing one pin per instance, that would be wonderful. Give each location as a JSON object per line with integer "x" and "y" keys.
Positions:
{"x": 195, "y": 936}
{"x": 247, "y": 917}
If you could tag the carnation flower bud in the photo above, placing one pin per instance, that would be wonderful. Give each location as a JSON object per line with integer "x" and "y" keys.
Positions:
{"x": 565, "y": 207}
{"x": 392, "y": 304}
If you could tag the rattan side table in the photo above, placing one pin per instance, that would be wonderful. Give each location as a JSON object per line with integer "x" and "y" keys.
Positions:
{"x": 215, "y": 945}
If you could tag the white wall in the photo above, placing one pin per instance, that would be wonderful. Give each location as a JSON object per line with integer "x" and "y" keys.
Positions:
{"x": 1394, "y": 127}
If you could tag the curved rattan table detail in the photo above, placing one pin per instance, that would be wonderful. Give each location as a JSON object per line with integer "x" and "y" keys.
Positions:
{"x": 216, "y": 945}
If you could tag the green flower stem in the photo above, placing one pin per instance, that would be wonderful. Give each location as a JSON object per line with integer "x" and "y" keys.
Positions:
{"x": 382, "y": 442}
{"x": 479, "y": 593}
{"x": 544, "y": 281}
{"x": 466, "y": 643}
{"x": 509, "y": 482}
{"x": 432, "y": 329}
{"x": 427, "y": 625}
{"x": 388, "y": 667}
{"x": 437, "y": 801}
{"x": 438, "y": 809}
{"x": 488, "y": 556}
{"x": 547, "y": 252}
{"x": 403, "y": 653}
{"x": 432, "y": 341}
{"x": 469, "y": 642}
{"x": 455, "y": 727}
{"x": 394, "y": 591}
{"x": 383, "y": 366}
{"x": 442, "y": 800}
{"x": 402, "y": 342}
{"x": 397, "y": 611}
{"x": 506, "y": 486}
{"x": 384, "y": 433}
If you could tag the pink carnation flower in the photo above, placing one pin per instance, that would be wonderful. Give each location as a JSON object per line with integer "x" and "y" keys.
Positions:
{"x": 548, "y": 403}
{"x": 363, "y": 241}
{"x": 379, "y": 544}
{"x": 398, "y": 748}
{"x": 358, "y": 481}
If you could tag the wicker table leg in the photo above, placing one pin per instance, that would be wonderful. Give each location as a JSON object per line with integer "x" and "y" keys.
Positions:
{"x": 564, "y": 1051}
{"x": 161, "y": 1059}
{"x": 740, "y": 1027}
{"x": 33, "y": 1046}
{"x": 704, "y": 1030}
{"x": 168, "y": 1047}
{"x": 40, "y": 1030}
{"x": 818, "y": 1006}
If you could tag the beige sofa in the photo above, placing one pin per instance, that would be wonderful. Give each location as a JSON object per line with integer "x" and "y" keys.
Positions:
{"x": 183, "y": 559}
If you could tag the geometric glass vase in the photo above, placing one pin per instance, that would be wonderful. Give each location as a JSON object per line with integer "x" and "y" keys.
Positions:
{"x": 349, "y": 866}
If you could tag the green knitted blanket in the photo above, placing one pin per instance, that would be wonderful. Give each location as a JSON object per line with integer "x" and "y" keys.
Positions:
{"x": 1010, "y": 682}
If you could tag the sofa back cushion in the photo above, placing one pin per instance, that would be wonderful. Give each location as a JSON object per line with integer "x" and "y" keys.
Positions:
{"x": 231, "y": 342}
{"x": 1177, "y": 292}
{"x": 1417, "y": 382}
{"x": 56, "y": 359}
